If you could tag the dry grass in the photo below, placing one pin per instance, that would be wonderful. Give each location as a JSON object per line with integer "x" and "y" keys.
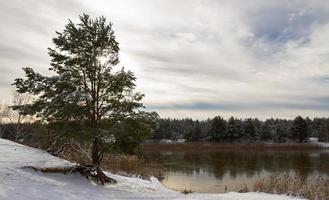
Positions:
{"x": 314, "y": 187}
{"x": 130, "y": 165}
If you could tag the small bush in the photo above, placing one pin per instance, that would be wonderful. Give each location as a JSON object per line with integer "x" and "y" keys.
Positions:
{"x": 243, "y": 189}
{"x": 187, "y": 191}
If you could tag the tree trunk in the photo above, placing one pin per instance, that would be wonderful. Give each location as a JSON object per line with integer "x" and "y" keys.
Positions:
{"x": 89, "y": 171}
{"x": 95, "y": 152}
{"x": 18, "y": 127}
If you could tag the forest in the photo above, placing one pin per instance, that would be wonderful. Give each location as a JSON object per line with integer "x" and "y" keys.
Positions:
{"x": 238, "y": 130}
{"x": 217, "y": 129}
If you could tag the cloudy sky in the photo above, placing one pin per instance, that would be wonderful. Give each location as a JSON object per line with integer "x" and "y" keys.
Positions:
{"x": 250, "y": 58}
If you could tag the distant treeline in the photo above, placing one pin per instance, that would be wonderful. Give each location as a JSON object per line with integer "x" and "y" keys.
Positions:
{"x": 243, "y": 130}
{"x": 217, "y": 129}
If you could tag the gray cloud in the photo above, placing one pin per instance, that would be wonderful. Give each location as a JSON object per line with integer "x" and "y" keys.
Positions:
{"x": 323, "y": 79}
{"x": 316, "y": 104}
{"x": 200, "y": 58}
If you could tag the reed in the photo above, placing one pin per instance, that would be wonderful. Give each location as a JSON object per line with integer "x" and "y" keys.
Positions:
{"x": 315, "y": 187}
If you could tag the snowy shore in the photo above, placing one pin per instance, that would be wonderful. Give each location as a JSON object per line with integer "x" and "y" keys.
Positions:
{"x": 314, "y": 140}
{"x": 24, "y": 184}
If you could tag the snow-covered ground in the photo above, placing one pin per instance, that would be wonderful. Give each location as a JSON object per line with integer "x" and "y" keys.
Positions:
{"x": 315, "y": 140}
{"x": 21, "y": 184}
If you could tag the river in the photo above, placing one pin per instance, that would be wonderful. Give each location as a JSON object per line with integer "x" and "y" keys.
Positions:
{"x": 213, "y": 170}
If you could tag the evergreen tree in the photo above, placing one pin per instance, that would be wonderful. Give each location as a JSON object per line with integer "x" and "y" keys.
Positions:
{"x": 309, "y": 126}
{"x": 299, "y": 129}
{"x": 196, "y": 131}
{"x": 239, "y": 130}
{"x": 230, "y": 129}
{"x": 87, "y": 92}
{"x": 249, "y": 131}
{"x": 316, "y": 125}
{"x": 324, "y": 131}
{"x": 188, "y": 128}
{"x": 218, "y": 129}
{"x": 265, "y": 131}
{"x": 280, "y": 133}
{"x": 234, "y": 129}
{"x": 257, "y": 124}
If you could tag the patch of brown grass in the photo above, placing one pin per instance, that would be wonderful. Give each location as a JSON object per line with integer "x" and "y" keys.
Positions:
{"x": 130, "y": 165}
{"x": 315, "y": 187}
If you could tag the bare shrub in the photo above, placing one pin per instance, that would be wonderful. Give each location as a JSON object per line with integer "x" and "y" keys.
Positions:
{"x": 243, "y": 189}
{"x": 186, "y": 191}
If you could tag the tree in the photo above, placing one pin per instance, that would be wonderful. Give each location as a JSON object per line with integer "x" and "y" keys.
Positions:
{"x": 196, "y": 131}
{"x": 265, "y": 131}
{"x": 88, "y": 96}
{"x": 299, "y": 129}
{"x": 2, "y": 118}
{"x": 316, "y": 126}
{"x": 280, "y": 133}
{"x": 234, "y": 129}
{"x": 15, "y": 117}
{"x": 249, "y": 130}
{"x": 218, "y": 129}
{"x": 324, "y": 131}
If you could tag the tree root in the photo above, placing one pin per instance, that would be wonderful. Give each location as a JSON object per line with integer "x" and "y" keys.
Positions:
{"x": 91, "y": 172}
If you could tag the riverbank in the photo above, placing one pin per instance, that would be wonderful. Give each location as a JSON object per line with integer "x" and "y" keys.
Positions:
{"x": 23, "y": 184}
{"x": 221, "y": 146}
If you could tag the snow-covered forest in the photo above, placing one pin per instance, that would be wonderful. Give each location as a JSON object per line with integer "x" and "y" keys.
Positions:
{"x": 249, "y": 130}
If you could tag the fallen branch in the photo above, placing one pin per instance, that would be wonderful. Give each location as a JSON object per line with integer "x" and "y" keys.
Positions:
{"x": 91, "y": 172}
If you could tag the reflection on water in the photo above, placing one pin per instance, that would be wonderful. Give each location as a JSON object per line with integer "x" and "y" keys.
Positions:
{"x": 211, "y": 170}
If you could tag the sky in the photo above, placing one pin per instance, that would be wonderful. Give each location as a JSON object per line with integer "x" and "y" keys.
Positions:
{"x": 192, "y": 58}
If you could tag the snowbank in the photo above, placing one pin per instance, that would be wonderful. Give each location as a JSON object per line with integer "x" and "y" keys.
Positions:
{"x": 21, "y": 184}
{"x": 315, "y": 140}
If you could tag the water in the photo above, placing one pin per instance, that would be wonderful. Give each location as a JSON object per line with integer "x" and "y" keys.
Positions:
{"x": 210, "y": 171}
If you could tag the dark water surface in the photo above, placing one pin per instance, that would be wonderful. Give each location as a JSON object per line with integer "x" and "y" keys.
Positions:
{"x": 209, "y": 171}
